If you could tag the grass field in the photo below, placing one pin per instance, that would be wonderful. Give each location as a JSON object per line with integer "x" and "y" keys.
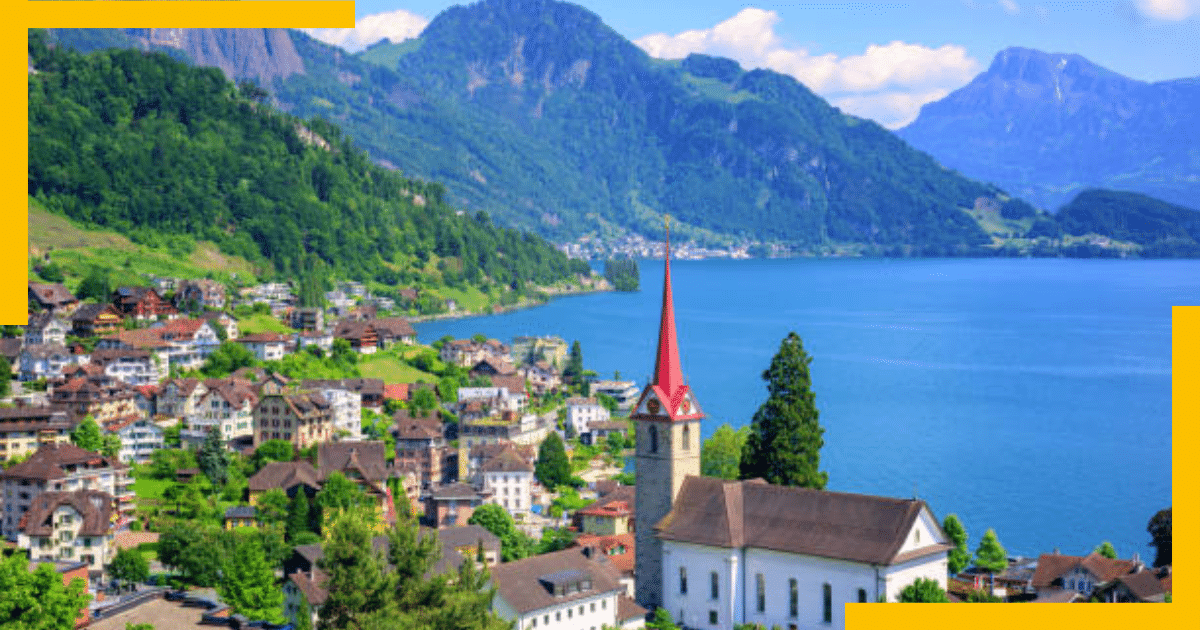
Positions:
{"x": 147, "y": 488}
{"x": 262, "y": 322}
{"x": 392, "y": 369}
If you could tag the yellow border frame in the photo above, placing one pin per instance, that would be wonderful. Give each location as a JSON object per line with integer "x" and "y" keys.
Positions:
{"x": 14, "y": 252}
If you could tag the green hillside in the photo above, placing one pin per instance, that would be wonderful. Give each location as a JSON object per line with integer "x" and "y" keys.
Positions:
{"x": 169, "y": 155}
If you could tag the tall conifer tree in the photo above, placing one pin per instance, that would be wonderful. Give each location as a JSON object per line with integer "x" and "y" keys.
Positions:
{"x": 784, "y": 445}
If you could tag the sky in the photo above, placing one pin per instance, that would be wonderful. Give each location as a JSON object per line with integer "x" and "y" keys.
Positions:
{"x": 877, "y": 59}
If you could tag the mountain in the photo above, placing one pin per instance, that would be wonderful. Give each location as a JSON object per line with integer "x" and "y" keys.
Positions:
{"x": 1045, "y": 126}
{"x": 1162, "y": 229}
{"x": 167, "y": 154}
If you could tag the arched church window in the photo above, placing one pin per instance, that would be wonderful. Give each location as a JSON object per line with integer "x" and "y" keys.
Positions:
{"x": 687, "y": 437}
{"x": 653, "y": 439}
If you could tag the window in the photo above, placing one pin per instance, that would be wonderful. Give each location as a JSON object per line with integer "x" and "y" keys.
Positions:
{"x": 715, "y": 584}
{"x": 683, "y": 580}
{"x": 570, "y": 613}
{"x": 653, "y": 439}
{"x": 862, "y": 595}
{"x": 687, "y": 437}
{"x": 793, "y": 598}
{"x": 593, "y": 608}
{"x": 712, "y": 617}
{"x": 828, "y": 617}
{"x": 604, "y": 604}
{"x": 760, "y": 592}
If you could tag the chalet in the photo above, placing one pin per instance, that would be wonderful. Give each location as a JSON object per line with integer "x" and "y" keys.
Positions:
{"x": 135, "y": 367}
{"x": 73, "y": 526}
{"x": 51, "y": 297}
{"x": 302, "y": 418}
{"x": 560, "y": 590}
{"x": 361, "y": 335}
{"x": 180, "y": 398}
{"x": 103, "y": 398}
{"x": 142, "y": 304}
{"x": 1084, "y": 575}
{"x": 490, "y": 366}
{"x": 241, "y": 516}
{"x": 24, "y": 429}
{"x": 10, "y": 349}
{"x": 43, "y": 361}
{"x": 542, "y": 377}
{"x": 227, "y": 404}
{"x": 393, "y": 330}
{"x": 91, "y": 320}
{"x": 139, "y": 438}
{"x": 221, "y": 319}
{"x": 291, "y": 477}
{"x": 60, "y": 467}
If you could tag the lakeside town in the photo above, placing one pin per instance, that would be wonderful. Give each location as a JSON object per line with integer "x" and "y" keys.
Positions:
{"x": 144, "y": 435}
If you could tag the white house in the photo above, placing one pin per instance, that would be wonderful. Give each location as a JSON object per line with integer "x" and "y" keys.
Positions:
{"x": 624, "y": 392}
{"x": 561, "y": 590}
{"x": 45, "y": 328}
{"x": 135, "y": 367}
{"x": 59, "y": 467}
{"x": 582, "y": 412}
{"x": 44, "y": 361}
{"x": 266, "y": 346}
{"x": 346, "y": 407}
{"x": 228, "y": 404}
{"x": 509, "y": 478}
{"x": 139, "y": 438}
{"x": 74, "y": 526}
{"x": 739, "y": 552}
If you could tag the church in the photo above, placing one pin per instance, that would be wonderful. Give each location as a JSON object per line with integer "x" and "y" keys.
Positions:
{"x": 717, "y": 553}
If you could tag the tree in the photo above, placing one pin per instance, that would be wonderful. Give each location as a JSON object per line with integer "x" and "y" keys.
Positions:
{"x": 110, "y": 445}
{"x": 554, "y": 539}
{"x": 226, "y": 359}
{"x": 721, "y": 454}
{"x": 661, "y": 621}
{"x": 298, "y": 518}
{"x": 96, "y": 286}
{"x": 273, "y": 506}
{"x": 1159, "y": 529}
{"x": 514, "y": 544}
{"x": 924, "y": 590}
{"x": 213, "y": 458}
{"x": 38, "y": 599}
{"x": 785, "y": 440}
{"x": 129, "y": 566}
{"x": 129, "y": 625}
{"x": 553, "y": 469}
{"x": 422, "y": 401}
{"x": 980, "y": 596}
{"x": 272, "y": 451}
{"x": 5, "y": 377}
{"x": 339, "y": 494}
{"x": 960, "y": 557}
{"x": 304, "y": 616}
{"x": 192, "y": 551}
{"x": 990, "y": 555}
{"x": 1107, "y": 550}
{"x": 248, "y": 582}
{"x": 356, "y": 581}
{"x": 572, "y": 373}
{"x": 88, "y": 436}
{"x": 615, "y": 443}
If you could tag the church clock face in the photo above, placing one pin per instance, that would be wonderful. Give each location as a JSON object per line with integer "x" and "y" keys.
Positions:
{"x": 685, "y": 406}
{"x": 652, "y": 406}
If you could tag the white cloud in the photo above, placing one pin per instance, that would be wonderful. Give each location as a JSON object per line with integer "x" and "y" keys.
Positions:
{"x": 887, "y": 82}
{"x": 1172, "y": 10}
{"x": 1010, "y": 7}
{"x": 397, "y": 26}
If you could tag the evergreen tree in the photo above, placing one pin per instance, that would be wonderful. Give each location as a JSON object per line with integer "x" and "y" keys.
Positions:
{"x": 248, "y": 582}
{"x": 573, "y": 372}
{"x": 960, "y": 556}
{"x": 356, "y": 582}
{"x": 339, "y": 494}
{"x": 298, "y": 518}
{"x": 1107, "y": 550}
{"x": 213, "y": 458}
{"x": 990, "y": 555}
{"x": 110, "y": 445}
{"x": 784, "y": 445}
{"x": 924, "y": 590}
{"x": 553, "y": 469}
{"x": 304, "y": 615}
{"x": 88, "y": 436}
{"x": 95, "y": 286}
{"x": 1159, "y": 529}
{"x": 5, "y": 377}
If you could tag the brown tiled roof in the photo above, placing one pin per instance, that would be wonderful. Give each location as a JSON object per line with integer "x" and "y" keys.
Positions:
{"x": 49, "y": 460}
{"x": 457, "y": 490}
{"x": 1052, "y": 566}
{"x": 525, "y": 584}
{"x": 395, "y": 391}
{"x": 140, "y": 338}
{"x": 409, "y": 428}
{"x": 513, "y": 383}
{"x": 463, "y": 535}
{"x": 184, "y": 386}
{"x": 367, "y": 457}
{"x": 353, "y": 329}
{"x": 500, "y": 367}
{"x": 1056, "y": 596}
{"x": 623, "y": 562}
{"x": 11, "y": 348}
{"x": 51, "y": 294}
{"x": 1146, "y": 584}
{"x": 733, "y": 514}
{"x": 284, "y": 475}
{"x": 112, "y": 354}
{"x": 628, "y": 610}
{"x": 41, "y": 412}
{"x": 262, "y": 337}
{"x": 44, "y": 350}
{"x": 312, "y": 589}
{"x": 39, "y": 321}
{"x": 93, "y": 505}
{"x": 89, "y": 312}
{"x": 117, "y": 424}
{"x": 507, "y": 461}
{"x": 394, "y": 327}
{"x": 609, "y": 509}
{"x": 129, "y": 540}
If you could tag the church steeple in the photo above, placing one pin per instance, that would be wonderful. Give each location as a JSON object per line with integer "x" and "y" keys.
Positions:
{"x": 672, "y": 395}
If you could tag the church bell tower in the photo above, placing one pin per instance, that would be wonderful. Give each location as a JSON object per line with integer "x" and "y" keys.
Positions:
{"x": 667, "y": 420}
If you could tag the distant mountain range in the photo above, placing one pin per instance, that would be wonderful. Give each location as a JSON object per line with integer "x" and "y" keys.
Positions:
{"x": 538, "y": 113}
{"x": 1046, "y": 126}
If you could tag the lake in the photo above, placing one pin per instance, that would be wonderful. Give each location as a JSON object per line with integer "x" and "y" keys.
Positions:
{"x": 1032, "y": 396}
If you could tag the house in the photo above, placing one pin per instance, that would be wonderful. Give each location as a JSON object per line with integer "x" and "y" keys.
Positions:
{"x": 266, "y": 346}
{"x": 291, "y": 477}
{"x": 318, "y": 338}
{"x": 1081, "y": 574}
{"x": 452, "y": 504}
{"x": 489, "y": 366}
{"x": 132, "y": 366}
{"x": 620, "y": 550}
{"x": 139, "y": 438}
{"x": 227, "y": 404}
{"x": 142, "y": 304}
{"x": 525, "y": 429}
{"x": 180, "y": 398}
{"x": 43, "y": 361}
{"x": 194, "y": 295}
{"x": 624, "y": 392}
{"x": 363, "y": 462}
{"x": 25, "y": 428}
{"x": 71, "y": 526}
{"x": 346, "y": 407}
{"x": 45, "y": 328}
{"x": 185, "y": 342}
{"x": 542, "y": 377}
{"x": 221, "y": 319}
{"x": 104, "y": 399}
{"x": 92, "y": 320}
{"x": 10, "y": 349}
{"x": 369, "y": 389}
{"x": 564, "y": 589}
{"x": 508, "y": 479}
{"x": 581, "y": 413}
{"x": 608, "y": 518}
{"x": 531, "y": 350}
{"x": 310, "y": 318}
{"x": 241, "y": 516}
{"x": 1144, "y": 586}
{"x": 468, "y": 352}
{"x": 420, "y": 445}
{"x": 61, "y": 467}
{"x": 361, "y": 335}
{"x": 471, "y": 468}
{"x": 51, "y": 297}
{"x": 393, "y": 330}
{"x": 302, "y": 418}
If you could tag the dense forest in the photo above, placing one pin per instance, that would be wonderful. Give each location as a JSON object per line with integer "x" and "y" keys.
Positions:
{"x": 150, "y": 147}
{"x": 1162, "y": 229}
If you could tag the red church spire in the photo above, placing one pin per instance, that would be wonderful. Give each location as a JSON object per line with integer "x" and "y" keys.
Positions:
{"x": 668, "y": 375}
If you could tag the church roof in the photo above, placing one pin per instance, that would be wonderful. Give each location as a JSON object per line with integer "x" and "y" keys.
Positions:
{"x": 853, "y": 527}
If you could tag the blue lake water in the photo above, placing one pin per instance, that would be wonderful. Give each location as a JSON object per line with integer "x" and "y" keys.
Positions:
{"x": 1029, "y": 396}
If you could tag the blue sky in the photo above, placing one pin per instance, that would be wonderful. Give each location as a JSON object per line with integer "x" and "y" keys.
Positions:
{"x": 881, "y": 60}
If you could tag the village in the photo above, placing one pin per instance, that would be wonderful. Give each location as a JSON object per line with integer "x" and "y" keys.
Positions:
{"x": 158, "y": 412}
